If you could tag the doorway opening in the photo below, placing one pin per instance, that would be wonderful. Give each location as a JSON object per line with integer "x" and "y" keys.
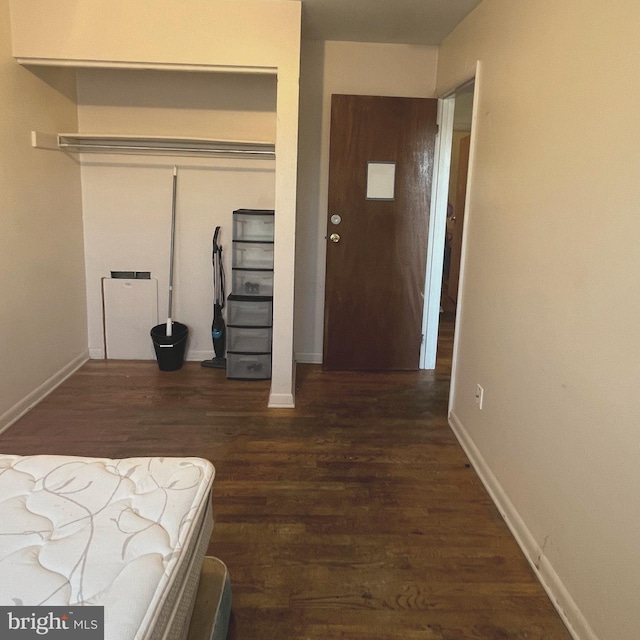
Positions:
{"x": 457, "y": 193}
{"x": 446, "y": 224}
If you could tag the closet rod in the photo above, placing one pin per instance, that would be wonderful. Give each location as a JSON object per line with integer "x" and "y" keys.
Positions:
{"x": 109, "y": 143}
{"x": 166, "y": 149}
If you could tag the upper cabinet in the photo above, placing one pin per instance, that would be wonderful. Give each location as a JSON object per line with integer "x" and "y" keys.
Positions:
{"x": 236, "y": 34}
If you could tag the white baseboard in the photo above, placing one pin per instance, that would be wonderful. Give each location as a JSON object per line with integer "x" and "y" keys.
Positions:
{"x": 281, "y": 401}
{"x": 198, "y": 356}
{"x": 41, "y": 392}
{"x": 309, "y": 358}
{"x": 561, "y": 599}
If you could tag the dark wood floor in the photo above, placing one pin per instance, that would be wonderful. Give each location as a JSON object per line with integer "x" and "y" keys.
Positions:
{"x": 354, "y": 516}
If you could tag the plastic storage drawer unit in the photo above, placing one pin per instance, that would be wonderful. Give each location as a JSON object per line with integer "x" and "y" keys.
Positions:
{"x": 249, "y": 366}
{"x": 250, "y": 308}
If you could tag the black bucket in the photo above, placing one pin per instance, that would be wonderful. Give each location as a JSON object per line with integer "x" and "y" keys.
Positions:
{"x": 170, "y": 349}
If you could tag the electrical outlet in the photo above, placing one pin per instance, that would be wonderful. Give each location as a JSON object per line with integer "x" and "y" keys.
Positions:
{"x": 479, "y": 396}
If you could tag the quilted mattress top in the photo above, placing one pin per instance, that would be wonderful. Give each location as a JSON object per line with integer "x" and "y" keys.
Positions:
{"x": 96, "y": 531}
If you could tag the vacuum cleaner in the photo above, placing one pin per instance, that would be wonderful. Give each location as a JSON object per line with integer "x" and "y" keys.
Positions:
{"x": 218, "y": 328}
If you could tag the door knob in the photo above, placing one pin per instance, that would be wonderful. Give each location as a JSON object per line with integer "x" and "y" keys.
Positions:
{"x": 334, "y": 237}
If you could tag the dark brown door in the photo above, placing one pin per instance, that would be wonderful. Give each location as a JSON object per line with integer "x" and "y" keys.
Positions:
{"x": 377, "y": 249}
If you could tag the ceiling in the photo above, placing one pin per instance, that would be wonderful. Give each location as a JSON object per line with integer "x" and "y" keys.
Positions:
{"x": 421, "y": 22}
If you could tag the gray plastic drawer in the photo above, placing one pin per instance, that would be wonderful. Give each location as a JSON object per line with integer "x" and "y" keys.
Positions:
{"x": 249, "y": 282}
{"x": 249, "y": 366}
{"x": 253, "y": 225}
{"x": 252, "y": 255}
{"x": 249, "y": 340}
{"x": 249, "y": 313}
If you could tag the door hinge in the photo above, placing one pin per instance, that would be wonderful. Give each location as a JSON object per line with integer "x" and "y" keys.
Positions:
{"x": 437, "y": 129}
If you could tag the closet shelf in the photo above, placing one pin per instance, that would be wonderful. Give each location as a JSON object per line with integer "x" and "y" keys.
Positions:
{"x": 108, "y": 143}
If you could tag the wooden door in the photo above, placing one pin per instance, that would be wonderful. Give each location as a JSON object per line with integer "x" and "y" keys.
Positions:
{"x": 375, "y": 270}
{"x": 458, "y": 213}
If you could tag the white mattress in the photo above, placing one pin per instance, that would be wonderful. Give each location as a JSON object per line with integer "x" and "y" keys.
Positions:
{"x": 126, "y": 534}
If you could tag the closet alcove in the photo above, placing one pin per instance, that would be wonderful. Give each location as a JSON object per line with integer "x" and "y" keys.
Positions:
{"x": 134, "y": 126}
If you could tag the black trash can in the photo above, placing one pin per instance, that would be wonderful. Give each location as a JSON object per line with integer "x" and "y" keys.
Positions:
{"x": 170, "y": 349}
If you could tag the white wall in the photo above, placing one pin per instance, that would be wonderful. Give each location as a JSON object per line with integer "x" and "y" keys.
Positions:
{"x": 43, "y": 333}
{"x": 177, "y": 103}
{"x": 347, "y": 68}
{"x": 127, "y": 198}
{"x": 549, "y": 304}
